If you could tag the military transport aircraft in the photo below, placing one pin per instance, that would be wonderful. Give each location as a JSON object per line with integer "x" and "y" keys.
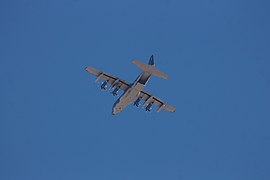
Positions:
{"x": 133, "y": 92}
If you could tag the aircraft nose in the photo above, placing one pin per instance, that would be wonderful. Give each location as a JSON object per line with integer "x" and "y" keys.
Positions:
{"x": 113, "y": 112}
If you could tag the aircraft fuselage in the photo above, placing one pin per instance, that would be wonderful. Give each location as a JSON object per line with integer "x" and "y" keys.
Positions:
{"x": 130, "y": 95}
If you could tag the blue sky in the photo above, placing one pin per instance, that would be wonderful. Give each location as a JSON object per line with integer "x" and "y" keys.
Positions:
{"x": 55, "y": 123}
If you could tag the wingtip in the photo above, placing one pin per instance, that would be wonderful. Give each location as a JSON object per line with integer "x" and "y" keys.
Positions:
{"x": 166, "y": 77}
{"x": 134, "y": 61}
{"x": 88, "y": 67}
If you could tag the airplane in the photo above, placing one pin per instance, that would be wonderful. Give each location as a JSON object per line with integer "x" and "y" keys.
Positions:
{"x": 133, "y": 92}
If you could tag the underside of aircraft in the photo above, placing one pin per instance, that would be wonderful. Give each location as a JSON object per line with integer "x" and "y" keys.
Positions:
{"x": 133, "y": 92}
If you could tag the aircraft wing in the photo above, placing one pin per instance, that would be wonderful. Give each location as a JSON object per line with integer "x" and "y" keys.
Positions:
{"x": 156, "y": 101}
{"x": 114, "y": 81}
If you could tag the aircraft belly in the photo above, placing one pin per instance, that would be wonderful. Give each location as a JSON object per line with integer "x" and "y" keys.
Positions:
{"x": 127, "y": 98}
{"x": 130, "y": 96}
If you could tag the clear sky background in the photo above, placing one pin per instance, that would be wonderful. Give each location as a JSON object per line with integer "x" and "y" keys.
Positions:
{"x": 55, "y": 122}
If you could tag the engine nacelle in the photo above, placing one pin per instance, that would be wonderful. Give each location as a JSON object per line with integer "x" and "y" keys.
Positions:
{"x": 103, "y": 85}
{"x": 115, "y": 91}
{"x": 149, "y": 107}
{"x": 137, "y": 102}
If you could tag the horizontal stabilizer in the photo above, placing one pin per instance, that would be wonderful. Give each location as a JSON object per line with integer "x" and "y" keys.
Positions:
{"x": 150, "y": 69}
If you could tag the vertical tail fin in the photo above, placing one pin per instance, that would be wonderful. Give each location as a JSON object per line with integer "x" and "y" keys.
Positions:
{"x": 151, "y": 61}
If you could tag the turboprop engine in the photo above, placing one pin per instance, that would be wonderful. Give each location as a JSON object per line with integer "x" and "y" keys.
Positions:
{"x": 115, "y": 91}
{"x": 149, "y": 107}
{"x": 103, "y": 85}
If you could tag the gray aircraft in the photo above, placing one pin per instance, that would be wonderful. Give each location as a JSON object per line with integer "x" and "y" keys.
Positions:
{"x": 133, "y": 92}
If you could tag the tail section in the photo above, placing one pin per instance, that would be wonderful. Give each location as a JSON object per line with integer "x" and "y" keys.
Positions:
{"x": 151, "y": 61}
{"x": 150, "y": 68}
